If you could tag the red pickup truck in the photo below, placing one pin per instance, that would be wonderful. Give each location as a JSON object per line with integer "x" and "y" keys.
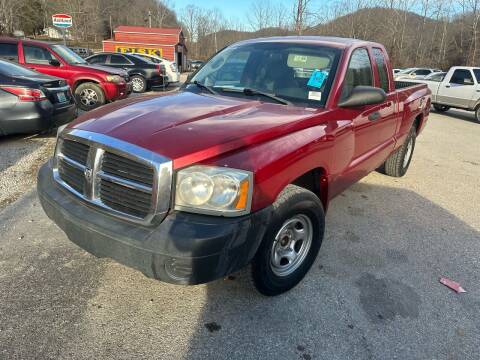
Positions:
{"x": 239, "y": 166}
{"x": 92, "y": 85}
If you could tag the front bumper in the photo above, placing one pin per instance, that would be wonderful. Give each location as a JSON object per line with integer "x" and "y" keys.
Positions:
{"x": 183, "y": 249}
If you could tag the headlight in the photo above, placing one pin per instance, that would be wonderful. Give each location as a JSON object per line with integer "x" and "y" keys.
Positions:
{"x": 114, "y": 78}
{"x": 214, "y": 190}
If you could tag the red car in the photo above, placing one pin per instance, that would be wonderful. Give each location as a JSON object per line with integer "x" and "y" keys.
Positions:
{"x": 239, "y": 166}
{"x": 92, "y": 85}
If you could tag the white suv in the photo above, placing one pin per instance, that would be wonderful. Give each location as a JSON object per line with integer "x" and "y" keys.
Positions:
{"x": 171, "y": 69}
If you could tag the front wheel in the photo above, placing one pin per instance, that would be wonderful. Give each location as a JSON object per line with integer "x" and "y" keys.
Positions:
{"x": 89, "y": 96}
{"x": 291, "y": 242}
{"x": 441, "y": 108}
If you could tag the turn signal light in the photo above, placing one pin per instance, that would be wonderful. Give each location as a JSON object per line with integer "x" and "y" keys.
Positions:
{"x": 25, "y": 94}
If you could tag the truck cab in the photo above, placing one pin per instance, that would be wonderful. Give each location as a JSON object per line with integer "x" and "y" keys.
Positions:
{"x": 458, "y": 88}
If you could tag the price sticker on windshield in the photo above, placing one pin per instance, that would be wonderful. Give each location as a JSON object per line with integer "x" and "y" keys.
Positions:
{"x": 317, "y": 79}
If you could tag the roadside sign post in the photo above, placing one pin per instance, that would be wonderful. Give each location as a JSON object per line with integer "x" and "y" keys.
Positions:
{"x": 62, "y": 21}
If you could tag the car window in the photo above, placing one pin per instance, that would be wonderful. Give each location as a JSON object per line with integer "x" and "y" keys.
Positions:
{"x": 37, "y": 55}
{"x": 359, "y": 72}
{"x": 437, "y": 77}
{"x": 382, "y": 68}
{"x": 462, "y": 77}
{"x": 119, "y": 60}
{"x": 422, "y": 72}
{"x": 98, "y": 59}
{"x": 9, "y": 52}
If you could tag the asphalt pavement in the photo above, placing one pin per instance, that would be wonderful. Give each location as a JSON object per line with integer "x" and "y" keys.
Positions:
{"x": 373, "y": 293}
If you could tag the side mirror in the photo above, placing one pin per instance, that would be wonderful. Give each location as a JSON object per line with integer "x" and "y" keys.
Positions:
{"x": 363, "y": 95}
{"x": 54, "y": 62}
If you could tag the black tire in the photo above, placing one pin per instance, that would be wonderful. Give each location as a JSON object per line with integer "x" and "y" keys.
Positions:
{"x": 293, "y": 203}
{"x": 89, "y": 96}
{"x": 441, "y": 108}
{"x": 139, "y": 83}
{"x": 477, "y": 114}
{"x": 397, "y": 164}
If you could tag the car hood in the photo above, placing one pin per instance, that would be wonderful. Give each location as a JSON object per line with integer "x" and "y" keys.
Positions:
{"x": 189, "y": 127}
{"x": 107, "y": 69}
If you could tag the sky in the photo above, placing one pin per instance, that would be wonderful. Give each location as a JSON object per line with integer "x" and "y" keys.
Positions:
{"x": 230, "y": 8}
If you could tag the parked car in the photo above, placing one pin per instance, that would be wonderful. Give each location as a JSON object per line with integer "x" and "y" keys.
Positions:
{"x": 143, "y": 73}
{"x": 458, "y": 88}
{"x": 437, "y": 76}
{"x": 82, "y": 52}
{"x": 195, "y": 64}
{"x": 92, "y": 86}
{"x": 194, "y": 185}
{"x": 31, "y": 102}
{"x": 414, "y": 73}
{"x": 171, "y": 70}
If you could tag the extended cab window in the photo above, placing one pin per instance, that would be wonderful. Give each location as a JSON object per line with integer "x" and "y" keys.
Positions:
{"x": 382, "y": 68}
{"x": 9, "y": 52}
{"x": 359, "y": 72}
{"x": 37, "y": 55}
{"x": 462, "y": 77}
{"x": 298, "y": 73}
{"x": 476, "y": 72}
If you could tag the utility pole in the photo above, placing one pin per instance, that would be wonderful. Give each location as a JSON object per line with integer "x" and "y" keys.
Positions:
{"x": 149, "y": 18}
{"x": 111, "y": 30}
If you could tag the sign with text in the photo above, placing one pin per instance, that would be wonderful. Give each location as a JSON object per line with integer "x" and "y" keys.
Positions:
{"x": 62, "y": 20}
{"x": 141, "y": 50}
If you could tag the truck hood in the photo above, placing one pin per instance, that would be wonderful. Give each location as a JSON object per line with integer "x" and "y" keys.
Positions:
{"x": 189, "y": 127}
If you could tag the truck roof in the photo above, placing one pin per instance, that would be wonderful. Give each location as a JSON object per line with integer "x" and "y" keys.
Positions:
{"x": 465, "y": 67}
{"x": 333, "y": 41}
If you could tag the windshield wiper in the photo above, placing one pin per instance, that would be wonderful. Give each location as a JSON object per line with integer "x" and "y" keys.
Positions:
{"x": 206, "y": 87}
{"x": 253, "y": 92}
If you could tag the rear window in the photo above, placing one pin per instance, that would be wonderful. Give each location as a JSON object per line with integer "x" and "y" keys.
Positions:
{"x": 10, "y": 69}
{"x": 382, "y": 68}
{"x": 9, "y": 52}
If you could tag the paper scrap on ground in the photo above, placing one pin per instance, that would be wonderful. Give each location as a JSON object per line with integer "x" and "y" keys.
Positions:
{"x": 452, "y": 285}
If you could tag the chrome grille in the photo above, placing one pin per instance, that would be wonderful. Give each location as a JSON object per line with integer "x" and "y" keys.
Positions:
{"x": 118, "y": 177}
{"x": 71, "y": 175}
{"x": 128, "y": 169}
{"x": 75, "y": 151}
{"x": 124, "y": 199}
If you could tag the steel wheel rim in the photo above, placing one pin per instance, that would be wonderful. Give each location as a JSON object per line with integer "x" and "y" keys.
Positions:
{"x": 88, "y": 97}
{"x": 408, "y": 153}
{"x": 137, "y": 84}
{"x": 291, "y": 246}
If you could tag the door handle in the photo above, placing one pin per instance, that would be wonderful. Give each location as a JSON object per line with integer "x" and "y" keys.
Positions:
{"x": 374, "y": 116}
{"x": 447, "y": 86}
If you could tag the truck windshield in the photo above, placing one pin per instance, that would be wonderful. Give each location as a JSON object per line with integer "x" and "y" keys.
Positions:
{"x": 301, "y": 74}
{"x": 68, "y": 55}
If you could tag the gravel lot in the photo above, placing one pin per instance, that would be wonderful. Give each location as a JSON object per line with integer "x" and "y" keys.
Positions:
{"x": 372, "y": 294}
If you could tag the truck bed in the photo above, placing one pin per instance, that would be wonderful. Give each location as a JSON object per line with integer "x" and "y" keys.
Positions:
{"x": 403, "y": 84}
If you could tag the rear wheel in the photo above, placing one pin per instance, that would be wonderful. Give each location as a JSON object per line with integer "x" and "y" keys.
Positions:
{"x": 477, "y": 114}
{"x": 441, "y": 108}
{"x": 89, "y": 96}
{"x": 397, "y": 164}
{"x": 139, "y": 84}
{"x": 291, "y": 242}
